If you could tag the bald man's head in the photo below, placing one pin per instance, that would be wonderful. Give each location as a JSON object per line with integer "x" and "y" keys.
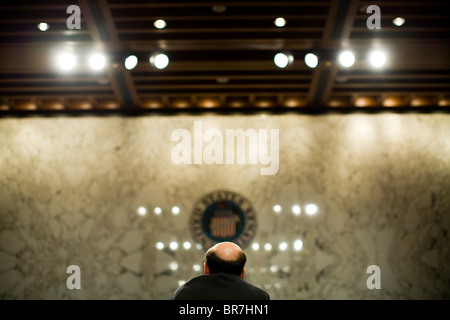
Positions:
{"x": 225, "y": 257}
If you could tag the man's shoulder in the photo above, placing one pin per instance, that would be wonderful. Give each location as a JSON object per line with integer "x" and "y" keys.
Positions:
{"x": 245, "y": 286}
{"x": 228, "y": 285}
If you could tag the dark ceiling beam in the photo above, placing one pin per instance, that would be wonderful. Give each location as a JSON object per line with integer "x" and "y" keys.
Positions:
{"x": 339, "y": 22}
{"x": 100, "y": 23}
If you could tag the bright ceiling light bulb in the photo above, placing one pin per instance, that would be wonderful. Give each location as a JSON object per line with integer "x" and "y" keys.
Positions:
{"x": 280, "y": 22}
{"x": 173, "y": 266}
{"x": 160, "y": 61}
{"x": 43, "y": 26}
{"x": 311, "y": 60}
{"x": 187, "y": 245}
{"x": 283, "y": 246}
{"x": 399, "y": 21}
{"x": 282, "y": 60}
{"x": 131, "y": 62}
{"x": 160, "y": 24}
{"x": 97, "y": 61}
{"x": 377, "y": 58}
{"x": 347, "y": 59}
{"x": 66, "y": 61}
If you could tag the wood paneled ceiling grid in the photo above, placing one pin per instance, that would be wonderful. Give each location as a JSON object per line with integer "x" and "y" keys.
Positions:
{"x": 221, "y": 57}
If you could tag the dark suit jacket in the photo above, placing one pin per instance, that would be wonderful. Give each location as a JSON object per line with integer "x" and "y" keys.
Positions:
{"x": 219, "y": 286}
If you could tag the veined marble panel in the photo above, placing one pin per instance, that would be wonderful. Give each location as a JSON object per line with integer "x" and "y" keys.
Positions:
{"x": 71, "y": 189}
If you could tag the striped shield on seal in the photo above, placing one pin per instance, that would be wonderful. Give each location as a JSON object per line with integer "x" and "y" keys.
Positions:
{"x": 223, "y": 223}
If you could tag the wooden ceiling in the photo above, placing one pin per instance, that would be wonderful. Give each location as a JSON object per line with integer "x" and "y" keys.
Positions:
{"x": 221, "y": 57}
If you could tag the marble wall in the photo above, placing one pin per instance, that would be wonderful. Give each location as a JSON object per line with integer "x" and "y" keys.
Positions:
{"x": 71, "y": 189}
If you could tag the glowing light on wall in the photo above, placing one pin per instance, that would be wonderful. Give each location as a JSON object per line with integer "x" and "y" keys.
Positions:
{"x": 282, "y": 60}
{"x": 311, "y": 60}
{"x": 142, "y": 211}
{"x": 97, "y": 61}
{"x": 399, "y": 21}
{"x": 311, "y": 209}
{"x": 186, "y": 245}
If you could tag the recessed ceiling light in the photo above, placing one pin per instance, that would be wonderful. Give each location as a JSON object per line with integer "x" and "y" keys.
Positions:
{"x": 282, "y": 60}
{"x": 43, "y": 26}
{"x": 160, "y": 24}
{"x": 347, "y": 59}
{"x": 97, "y": 61}
{"x": 298, "y": 245}
{"x": 421, "y": 101}
{"x": 66, "y": 61}
{"x": 377, "y": 58}
{"x": 160, "y": 61}
{"x": 280, "y": 22}
{"x": 399, "y": 21}
{"x": 296, "y": 210}
{"x": 444, "y": 102}
{"x": 311, "y": 209}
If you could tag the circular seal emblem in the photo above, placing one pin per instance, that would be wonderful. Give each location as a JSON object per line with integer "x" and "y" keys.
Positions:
{"x": 223, "y": 216}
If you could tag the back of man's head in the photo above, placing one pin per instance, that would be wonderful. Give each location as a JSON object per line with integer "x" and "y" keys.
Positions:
{"x": 226, "y": 257}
